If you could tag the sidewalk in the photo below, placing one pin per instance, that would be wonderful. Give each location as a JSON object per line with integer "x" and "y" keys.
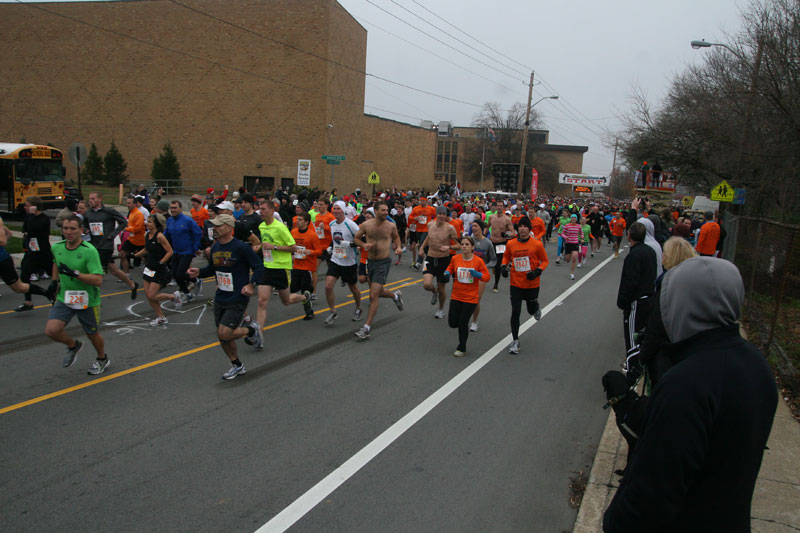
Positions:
{"x": 775, "y": 500}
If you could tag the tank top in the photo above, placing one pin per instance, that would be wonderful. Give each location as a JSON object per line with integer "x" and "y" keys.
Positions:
{"x": 155, "y": 252}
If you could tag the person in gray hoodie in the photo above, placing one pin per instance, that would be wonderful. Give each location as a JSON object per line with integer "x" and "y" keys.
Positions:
{"x": 651, "y": 241}
{"x": 695, "y": 465}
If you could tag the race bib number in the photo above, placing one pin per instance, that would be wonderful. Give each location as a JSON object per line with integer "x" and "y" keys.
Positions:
{"x": 340, "y": 251}
{"x": 210, "y": 234}
{"x": 412, "y": 227}
{"x": 33, "y": 245}
{"x": 463, "y": 275}
{"x": 148, "y": 272}
{"x": 96, "y": 228}
{"x": 267, "y": 255}
{"x": 76, "y": 299}
{"x": 522, "y": 264}
{"x": 300, "y": 252}
{"x": 225, "y": 281}
{"x": 500, "y": 248}
{"x": 320, "y": 231}
{"x": 422, "y": 220}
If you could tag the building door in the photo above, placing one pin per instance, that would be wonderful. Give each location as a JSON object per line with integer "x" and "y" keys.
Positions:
{"x": 287, "y": 184}
{"x": 259, "y": 184}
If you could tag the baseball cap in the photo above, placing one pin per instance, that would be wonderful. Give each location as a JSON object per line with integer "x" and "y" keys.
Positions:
{"x": 223, "y": 219}
{"x": 225, "y": 205}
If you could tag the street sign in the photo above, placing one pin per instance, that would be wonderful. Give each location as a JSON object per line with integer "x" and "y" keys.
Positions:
{"x": 332, "y": 161}
{"x": 333, "y": 158}
{"x": 304, "y": 172}
{"x": 739, "y": 196}
{"x": 374, "y": 178}
{"x": 687, "y": 201}
{"x": 722, "y": 192}
{"x": 77, "y": 154}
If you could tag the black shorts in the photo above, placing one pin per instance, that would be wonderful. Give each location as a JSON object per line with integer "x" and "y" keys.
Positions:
{"x": 362, "y": 269}
{"x": 7, "y": 271}
{"x": 129, "y": 248}
{"x": 229, "y": 315}
{"x": 436, "y": 267}
{"x": 616, "y": 238}
{"x": 421, "y": 236}
{"x": 570, "y": 247}
{"x": 348, "y": 274}
{"x": 277, "y": 278}
{"x": 106, "y": 256}
{"x": 378, "y": 270}
{"x": 161, "y": 274}
{"x": 412, "y": 237}
{"x": 301, "y": 281}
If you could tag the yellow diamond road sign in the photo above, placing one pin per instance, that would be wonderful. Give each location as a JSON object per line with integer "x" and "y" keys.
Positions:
{"x": 722, "y": 192}
{"x": 687, "y": 201}
{"x": 374, "y": 178}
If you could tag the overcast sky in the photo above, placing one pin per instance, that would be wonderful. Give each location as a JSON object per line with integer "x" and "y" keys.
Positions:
{"x": 590, "y": 53}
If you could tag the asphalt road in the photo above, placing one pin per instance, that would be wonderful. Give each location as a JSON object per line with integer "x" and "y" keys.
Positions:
{"x": 160, "y": 442}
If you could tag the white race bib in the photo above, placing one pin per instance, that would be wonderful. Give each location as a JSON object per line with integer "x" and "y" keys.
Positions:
{"x": 96, "y": 228}
{"x": 267, "y": 255}
{"x": 422, "y": 220}
{"x": 412, "y": 227}
{"x": 300, "y": 252}
{"x": 522, "y": 264}
{"x": 33, "y": 245}
{"x": 225, "y": 281}
{"x": 76, "y": 299}
{"x": 500, "y": 248}
{"x": 463, "y": 275}
{"x": 210, "y": 234}
{"x": 339, "y": 251}
{"x": 320, "y": 231}
{"x": 148, "y": 272}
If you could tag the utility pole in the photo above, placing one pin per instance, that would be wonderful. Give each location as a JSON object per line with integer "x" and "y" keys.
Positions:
{"x": 483, "y": 157}
{"x": 525, "y": 136}
{"x": 614, "y": 164}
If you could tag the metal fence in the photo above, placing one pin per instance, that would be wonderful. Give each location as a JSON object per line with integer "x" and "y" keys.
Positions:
{"x": 768, "y": 256}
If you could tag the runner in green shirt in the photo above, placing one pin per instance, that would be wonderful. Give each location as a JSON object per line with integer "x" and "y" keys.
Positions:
{"x": 78, "y": 268}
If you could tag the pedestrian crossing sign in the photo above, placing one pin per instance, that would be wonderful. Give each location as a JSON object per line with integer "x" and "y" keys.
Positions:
{"x": 375, "y": 179}
{"x": 722, "y": 192}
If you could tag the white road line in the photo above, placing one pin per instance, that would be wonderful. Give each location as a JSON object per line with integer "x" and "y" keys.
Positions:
{"x": 301, "y": 506}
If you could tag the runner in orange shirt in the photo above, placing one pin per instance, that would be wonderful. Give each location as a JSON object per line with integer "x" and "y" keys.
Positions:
{"x": 525, "y": 260}
{"x": 617, "y": 231}
{"x": 322, "y": 225}
{"x": 304, "y": 258}
{"x": 421, "y": 216}
{"x": 135, "y": 241}
{"x": 467, "y": 271}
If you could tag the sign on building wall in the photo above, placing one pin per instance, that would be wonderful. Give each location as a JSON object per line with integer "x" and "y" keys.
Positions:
{"x": 582, "y": 179}
{"x": 304, "y": 172}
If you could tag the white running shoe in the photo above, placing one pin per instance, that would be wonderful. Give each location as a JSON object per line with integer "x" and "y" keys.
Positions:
{"x": 514, "y": 348}
{"x": 160, "y": 321}
{"x": 439, "y": 314}
{"x": 473, "y": 326}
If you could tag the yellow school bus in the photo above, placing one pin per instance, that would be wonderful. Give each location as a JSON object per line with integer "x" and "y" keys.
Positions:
{"x": 30, "y": 170}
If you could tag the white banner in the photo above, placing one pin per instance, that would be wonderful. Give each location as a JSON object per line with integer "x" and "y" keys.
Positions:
{"x": 582, "y": 179}
{"x": 304, "y": 172}
{"x": 702, "y": 203}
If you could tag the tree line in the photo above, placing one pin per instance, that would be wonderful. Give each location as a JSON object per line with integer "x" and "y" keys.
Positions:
{"x": 111, "y": 169}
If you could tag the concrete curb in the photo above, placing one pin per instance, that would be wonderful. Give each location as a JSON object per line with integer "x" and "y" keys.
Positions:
{"x": 777, "y": 491}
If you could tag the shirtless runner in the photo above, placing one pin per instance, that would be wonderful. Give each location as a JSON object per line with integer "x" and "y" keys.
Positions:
{"x": 502, "y": 229}
{"x": 441, "y": 239}
{"x": 376, "y": 236}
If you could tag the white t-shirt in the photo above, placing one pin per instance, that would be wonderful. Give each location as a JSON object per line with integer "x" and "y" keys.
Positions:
{"x": 343, "y": 254}
{"x": 468, "y": 217}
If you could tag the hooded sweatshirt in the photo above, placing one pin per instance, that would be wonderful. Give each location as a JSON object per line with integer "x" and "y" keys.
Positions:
{"x": 650, "y": 241}
{"x": 695, "y": 466}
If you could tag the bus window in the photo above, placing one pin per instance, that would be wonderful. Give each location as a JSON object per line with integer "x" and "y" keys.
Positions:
{"x": 38, "y": 170}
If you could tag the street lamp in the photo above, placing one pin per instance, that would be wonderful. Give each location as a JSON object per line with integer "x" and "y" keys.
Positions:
{"x": 697, "y": 45}
{"x": 525, "y": 134}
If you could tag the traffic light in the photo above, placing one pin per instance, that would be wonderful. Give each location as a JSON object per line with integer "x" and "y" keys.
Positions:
{"x": 506, "y": 176}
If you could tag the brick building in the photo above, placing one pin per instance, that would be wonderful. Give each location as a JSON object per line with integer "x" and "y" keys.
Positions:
{"x": 211, "y": 78}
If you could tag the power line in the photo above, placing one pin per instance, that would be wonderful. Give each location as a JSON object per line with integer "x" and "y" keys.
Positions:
{"x": 442, "y": 42}
{"x": 457, "y": 39}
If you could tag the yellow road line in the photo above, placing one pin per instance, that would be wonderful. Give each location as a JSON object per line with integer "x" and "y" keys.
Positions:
{"x": 127, "y": 291}
{"x": 139, "y": 368}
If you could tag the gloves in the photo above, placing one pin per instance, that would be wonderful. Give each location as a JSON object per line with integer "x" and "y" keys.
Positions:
{"x": 353, "y": 245}
{"x": 533, "y": 274}
{"x": 67, "y": 271}
{"x": 475, "y": 273}
{"x": 446, "y": 275}
{"x": 504, "y": 271}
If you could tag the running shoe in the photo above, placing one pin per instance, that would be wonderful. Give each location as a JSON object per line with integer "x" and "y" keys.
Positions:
{"x": 72, "y": 354}
{"x": 439, "y": 314}
{"x": 198, "y": 287}
{"x": 172, "y": 283}
{"x": 495, "y": 289}
{"x": 255, "y": 340}
{"x": 99, "y": 366}
{"x": 188, "y": 296}
{"x": 233, "y": 372}
{"x": 434, "y": 298}
{"x": 308, "y": 305}
{"x": 580, "y": 265}
{"x": 415, "y": 266}
{"x": 572, "y": 276}
{"x": 160, "y": 321}
{"x": 314, "y": 296}
{"x": 598, "y": 251}
{"x": 537, "y": 313}
{"x": 473, "y": 326}
{"x": 357, "y": 314}
{"x": 514, "y": 348}
{"x": 34, "y": 277}
{"x": 398, "y": 300}
{"x": 23, "y": 307}
{"x": 44, "y": 276}
{"x": 558, "y": 260}
{"x": 459, "y": 353}
{"x": 362, "y": 333}
{"x": 330, "y": 318}
{"x": 176, "y": 298}
{"x": 134, "y": 290}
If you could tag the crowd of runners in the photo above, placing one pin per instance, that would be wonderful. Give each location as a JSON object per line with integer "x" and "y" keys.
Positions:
{"x": 264, "y": 245}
